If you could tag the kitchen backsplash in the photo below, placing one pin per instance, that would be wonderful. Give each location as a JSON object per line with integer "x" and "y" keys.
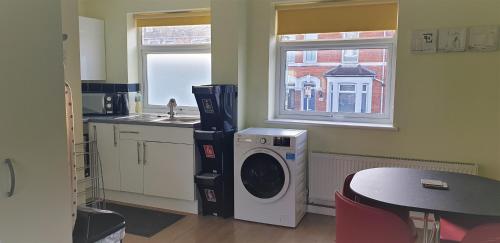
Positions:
{"x": 131, "y": 89}
{"x": 109, "y": 88}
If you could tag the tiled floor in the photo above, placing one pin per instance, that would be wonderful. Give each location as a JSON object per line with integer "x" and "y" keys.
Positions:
{"x": 198, "y": 229}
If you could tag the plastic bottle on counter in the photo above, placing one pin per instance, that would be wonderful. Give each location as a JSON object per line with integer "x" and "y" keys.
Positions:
{"x": 138, "y": 103}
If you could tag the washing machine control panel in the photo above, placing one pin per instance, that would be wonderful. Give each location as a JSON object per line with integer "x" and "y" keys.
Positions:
{"x": 281, "y": 141}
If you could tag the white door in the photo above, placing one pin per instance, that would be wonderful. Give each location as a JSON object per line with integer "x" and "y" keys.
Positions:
{"x": 169, "y": 170}
{"x": 32, "y": 124}
{"x": 106, "y": 136}
{"x": 131, "y": 167}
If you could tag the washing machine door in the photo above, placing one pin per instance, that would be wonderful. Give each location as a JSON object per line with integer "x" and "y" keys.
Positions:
{"x": 264, "y": 175}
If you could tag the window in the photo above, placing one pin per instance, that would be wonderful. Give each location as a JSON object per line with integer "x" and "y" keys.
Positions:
{"x": 348, "y": 59}
{"x": 350, "y": 35}
{"x": 174, "y": 58}
{"x": 352, "y": 80}
{"x": 350, "y": 56}
{"x": 347, "y": 98}
{"x": 351, "y": 97}
{"x": 364, "y": 98}
{"x": 310, "y": 56}
{"x": 290, "y": 57}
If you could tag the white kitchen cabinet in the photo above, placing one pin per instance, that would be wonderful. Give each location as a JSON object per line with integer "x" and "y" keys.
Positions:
{"x": 92, "y": 49}
{"x": 169, "y": 170}
{"x": 131, "y": 166}
{"x": 157, "y": 161}
{"x": 106, "y": 136}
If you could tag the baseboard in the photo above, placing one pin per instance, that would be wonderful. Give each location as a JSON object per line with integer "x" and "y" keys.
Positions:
{"x": 155, "y": 202}
{"x": 317, "y": 209}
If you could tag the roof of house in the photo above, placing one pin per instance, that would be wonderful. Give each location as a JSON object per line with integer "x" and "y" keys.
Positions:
{"x": 350, "y": 71}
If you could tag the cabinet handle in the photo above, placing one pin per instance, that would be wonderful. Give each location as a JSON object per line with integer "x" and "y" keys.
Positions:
{"x": 12, "y": 178}
{"x": 138, "y": 153}
{"x": 129, "y": 132}
{"x": 115, "y": 142}
{"x": 144, "y": 153}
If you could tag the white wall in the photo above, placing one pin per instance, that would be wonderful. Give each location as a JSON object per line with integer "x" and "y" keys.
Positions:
{"x": 32, "y": 127}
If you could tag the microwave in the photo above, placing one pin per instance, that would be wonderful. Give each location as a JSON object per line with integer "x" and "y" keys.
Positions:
{"x": 98, "y": 104}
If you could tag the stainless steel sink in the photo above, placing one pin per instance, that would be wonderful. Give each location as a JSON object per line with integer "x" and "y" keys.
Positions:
{"x": 179, "y": 119}
{"x": 143, "y": 117}
{"x": 163, "y": 118}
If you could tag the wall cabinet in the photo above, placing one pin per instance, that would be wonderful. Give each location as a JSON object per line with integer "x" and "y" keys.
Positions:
{"x": 154, "y": 161}
{"x": 106, "y": 136}
{"x": 92, "y": 49}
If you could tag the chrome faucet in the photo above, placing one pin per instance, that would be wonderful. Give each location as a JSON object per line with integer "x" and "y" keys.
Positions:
{"x": 171, "y": 105}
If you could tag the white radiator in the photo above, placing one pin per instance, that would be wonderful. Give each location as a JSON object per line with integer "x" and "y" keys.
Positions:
{"x": 327, "y": 171}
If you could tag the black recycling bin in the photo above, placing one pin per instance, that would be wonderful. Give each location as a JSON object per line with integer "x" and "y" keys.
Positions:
{"x": 216, "y": 198}
{"x": 218, "y": 106}
{"x": 216, "y": 150}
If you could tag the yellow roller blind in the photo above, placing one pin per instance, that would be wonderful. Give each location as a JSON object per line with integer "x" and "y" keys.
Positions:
{"x": 317, "y": 18}
{"x": 173, "y": 19}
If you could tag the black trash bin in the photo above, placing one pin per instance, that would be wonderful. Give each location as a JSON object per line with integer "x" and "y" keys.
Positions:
{"x": 218, "y": 106}
{"x": 218, "y": 114}
{"x": 216, "y": 198}
{"x": 94, "y": 225}
{"x": 217, "y": 169}
{"x": 216, "y": 150}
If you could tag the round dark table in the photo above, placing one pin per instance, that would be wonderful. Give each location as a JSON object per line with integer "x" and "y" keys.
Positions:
{"x": 402, "y": 188}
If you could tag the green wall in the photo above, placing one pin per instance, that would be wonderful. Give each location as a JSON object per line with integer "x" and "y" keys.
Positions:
{"x": 446, "y": 105}
{"x": 122, "y": 59}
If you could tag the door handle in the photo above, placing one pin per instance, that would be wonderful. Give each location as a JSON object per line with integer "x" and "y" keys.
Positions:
{"x": 138, "y": 153}
{"x": 12, "y": 177}
{"x": 115, "y": 142}
{"x": 144, "y": 153}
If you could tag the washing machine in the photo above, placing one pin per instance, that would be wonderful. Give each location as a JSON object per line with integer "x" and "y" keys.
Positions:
{"x": 270, "y": 175}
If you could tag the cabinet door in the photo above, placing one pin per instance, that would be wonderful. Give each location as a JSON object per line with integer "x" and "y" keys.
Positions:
{"x": 92, "y": 49}
{"x": 169, "y": 170}
{"x": 33, "y": 130}
{"x": 131, "y": 167}
{"x": 106, "y": 136}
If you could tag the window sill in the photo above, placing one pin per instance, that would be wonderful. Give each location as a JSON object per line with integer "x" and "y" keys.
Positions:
{"x": 387, "y": 127}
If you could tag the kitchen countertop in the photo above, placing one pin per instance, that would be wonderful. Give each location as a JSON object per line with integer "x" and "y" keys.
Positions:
{"x": 147, "y": 120}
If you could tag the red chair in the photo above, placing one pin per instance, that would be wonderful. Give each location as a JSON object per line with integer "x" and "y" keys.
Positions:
{"x": 403, "y": 214}
{"x": 359, "y": 223}
{"x": 455, "y": 233}
{"x": 346, "y": 190}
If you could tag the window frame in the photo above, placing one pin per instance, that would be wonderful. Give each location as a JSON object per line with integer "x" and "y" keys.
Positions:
{"x": 386, "y": 117}
{"x": 145, "y": 50}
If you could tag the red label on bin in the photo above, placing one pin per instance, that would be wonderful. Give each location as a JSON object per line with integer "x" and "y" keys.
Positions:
{"x": 209, "y": 151}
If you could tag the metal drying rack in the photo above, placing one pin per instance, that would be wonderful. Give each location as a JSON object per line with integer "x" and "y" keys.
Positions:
{"x": 92, "y": 183}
